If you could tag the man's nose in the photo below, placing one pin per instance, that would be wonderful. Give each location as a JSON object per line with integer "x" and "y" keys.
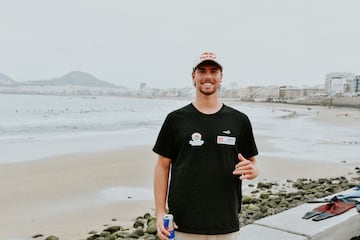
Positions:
{"x": 207, "y": 75}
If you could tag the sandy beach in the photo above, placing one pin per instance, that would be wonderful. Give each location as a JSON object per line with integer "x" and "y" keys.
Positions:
{"x": 70, "y": 195}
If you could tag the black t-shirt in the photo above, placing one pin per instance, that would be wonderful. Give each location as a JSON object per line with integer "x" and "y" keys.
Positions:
{"x": 204, "y": 196}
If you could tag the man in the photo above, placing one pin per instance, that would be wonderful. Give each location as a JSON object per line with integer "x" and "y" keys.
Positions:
{"x": 205, "y": 148}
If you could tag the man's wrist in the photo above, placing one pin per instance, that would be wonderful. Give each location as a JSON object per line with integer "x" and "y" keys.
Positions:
{"x": 160, "y": 213}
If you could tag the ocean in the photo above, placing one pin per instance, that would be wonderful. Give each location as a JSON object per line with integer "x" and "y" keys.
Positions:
{"x": 39, "y": 126}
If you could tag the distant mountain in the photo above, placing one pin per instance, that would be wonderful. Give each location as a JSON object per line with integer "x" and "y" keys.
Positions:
{"x": 6, "y": 80}
{"x": 76, "y": 78}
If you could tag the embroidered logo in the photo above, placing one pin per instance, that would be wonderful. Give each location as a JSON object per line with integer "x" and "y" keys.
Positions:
{"x": 196, "y": 139}
{"x": 226, "y": 132}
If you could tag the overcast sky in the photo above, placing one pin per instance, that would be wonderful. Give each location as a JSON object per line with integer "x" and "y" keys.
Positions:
{"x": 126, "y": 42}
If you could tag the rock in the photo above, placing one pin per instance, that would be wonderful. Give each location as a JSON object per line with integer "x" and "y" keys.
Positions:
{"x": 110, "y": 237}
{"x": 246, "y": 199}
{"x": 151, "y": 237}
{"x": 139, "y": 232}
{"x": 271, "y": 204}
{"x": 249, "y": 200}
{"x": 283, "y": 203}
{"x": 37, "y": 235}
{"x": 275, "y": 198}
{"x": 93, "y": 237}
{"x": 147, "y": 216}
{"x": 264, "y": 195}
{"x": 151, "y": 227}
{"x": 104, "y": 233}
{"x": 253, "y": 208}
{"x": 263, "y": 185}
{"x": 298, "y": 185}
{"x": 329, "y": 189}
{"x": 257, "y": 216}
{"x": 138, "y": 223}
{"x": 122, "y": 234}
{"x": 113, "y": 229}
{"x": 52, "y": 237}
{"x": 133, "y": 235}
{"x": 249, "y": 221}
{"x": 297, "y": 196}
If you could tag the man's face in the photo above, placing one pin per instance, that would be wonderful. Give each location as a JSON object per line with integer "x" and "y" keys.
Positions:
{"x": 207, "y": 78}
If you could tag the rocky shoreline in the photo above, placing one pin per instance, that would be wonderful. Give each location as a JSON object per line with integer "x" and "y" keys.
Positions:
{"x": 265, "y": 199}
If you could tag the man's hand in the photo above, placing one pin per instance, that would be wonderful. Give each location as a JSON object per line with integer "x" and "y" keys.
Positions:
{"x": 246, "y": 168}
{"x": 161, "y": 230}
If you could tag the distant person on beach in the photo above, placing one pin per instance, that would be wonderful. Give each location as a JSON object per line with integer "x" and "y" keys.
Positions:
{"x": 205, "y": 149}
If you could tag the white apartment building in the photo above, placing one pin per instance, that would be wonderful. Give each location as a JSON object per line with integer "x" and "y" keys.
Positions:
{"x": 341, "y": 84}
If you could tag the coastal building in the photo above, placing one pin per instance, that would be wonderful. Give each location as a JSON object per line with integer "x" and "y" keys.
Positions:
{"x": 341, "y": 84}
{"x": 289, "y": 92}
{"x": 251, "y": 93}
{"x": 356, "y": 85}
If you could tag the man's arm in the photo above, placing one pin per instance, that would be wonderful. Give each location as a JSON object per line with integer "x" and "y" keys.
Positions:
{"x": 161, "y": 180}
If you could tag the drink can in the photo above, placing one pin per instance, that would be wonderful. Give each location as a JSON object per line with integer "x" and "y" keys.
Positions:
{"x": 169, "y": 225}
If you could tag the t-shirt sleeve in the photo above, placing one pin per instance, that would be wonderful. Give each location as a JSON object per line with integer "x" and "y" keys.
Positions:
{"x": 164, "y": 144}
{"x": 248, "y": 146}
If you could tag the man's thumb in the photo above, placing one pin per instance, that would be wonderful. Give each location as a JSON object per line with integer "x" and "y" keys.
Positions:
{"x": 240, "y": 157}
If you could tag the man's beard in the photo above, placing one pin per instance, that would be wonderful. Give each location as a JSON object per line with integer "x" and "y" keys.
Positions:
{"x": 208, "y": 93}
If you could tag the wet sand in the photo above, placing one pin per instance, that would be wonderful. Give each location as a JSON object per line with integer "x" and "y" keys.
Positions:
{"x": 70, "y": 195}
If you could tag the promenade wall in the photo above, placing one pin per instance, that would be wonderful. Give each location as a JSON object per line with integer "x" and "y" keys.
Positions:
{"x": 326, "y": 101}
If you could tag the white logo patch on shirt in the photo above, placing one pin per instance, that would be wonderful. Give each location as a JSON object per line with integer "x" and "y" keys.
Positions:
{"x": 196, "y": 139}
{"x": 226, "y": 140}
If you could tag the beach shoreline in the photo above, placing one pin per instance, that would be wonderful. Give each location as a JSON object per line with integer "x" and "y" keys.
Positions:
{"x": 71, "y": 194}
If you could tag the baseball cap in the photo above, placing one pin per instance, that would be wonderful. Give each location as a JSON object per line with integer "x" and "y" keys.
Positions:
{"x": 206, "y": 56}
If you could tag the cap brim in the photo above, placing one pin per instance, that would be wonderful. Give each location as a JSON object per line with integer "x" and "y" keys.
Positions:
{"x": 203, "y": 61}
